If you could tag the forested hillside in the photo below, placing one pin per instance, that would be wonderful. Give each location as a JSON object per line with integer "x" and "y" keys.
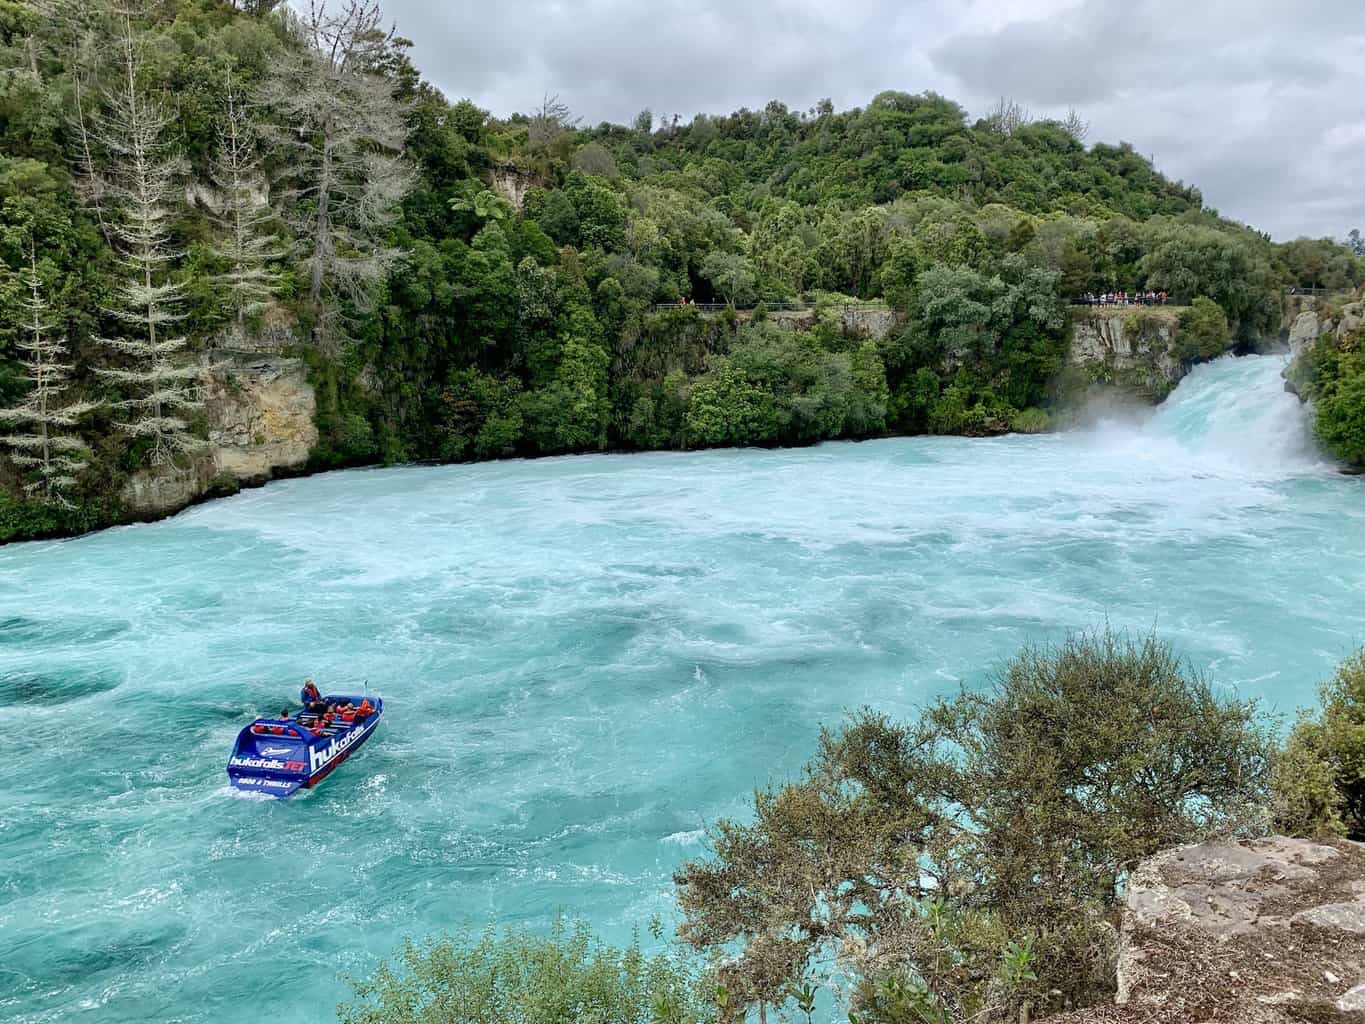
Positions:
{"x": 188, "y": 178}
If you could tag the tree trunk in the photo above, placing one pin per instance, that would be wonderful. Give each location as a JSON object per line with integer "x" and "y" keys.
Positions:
{"x": 322, "y": 229}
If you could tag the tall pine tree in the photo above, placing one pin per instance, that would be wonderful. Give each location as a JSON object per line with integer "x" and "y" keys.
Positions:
{"x": 246, "y": 243}
{"x": 43, "y": 447}
{"x": 160, "y": 385}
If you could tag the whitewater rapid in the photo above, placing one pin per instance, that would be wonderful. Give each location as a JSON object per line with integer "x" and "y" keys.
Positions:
{"x": 585, "y": 661}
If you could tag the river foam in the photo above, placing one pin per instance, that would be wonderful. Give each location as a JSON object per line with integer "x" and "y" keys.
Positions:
{"x": 585, "y": 661}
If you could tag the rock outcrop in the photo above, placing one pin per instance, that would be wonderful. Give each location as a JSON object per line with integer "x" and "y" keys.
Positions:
{"x": 1311, "y": 323}
{"x": 1259, "y": 932}
{"x": 1133, "y": 349}
{"x": 260, "y": 410}
{"x": 856, "y": 321}
{"x": 512, "y": 183}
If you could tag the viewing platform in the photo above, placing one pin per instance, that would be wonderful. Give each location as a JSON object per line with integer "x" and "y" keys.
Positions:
{"x": 770, "y": 307}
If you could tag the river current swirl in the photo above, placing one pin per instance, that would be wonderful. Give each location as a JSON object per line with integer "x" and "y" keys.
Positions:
{"x": 585, "y": 660}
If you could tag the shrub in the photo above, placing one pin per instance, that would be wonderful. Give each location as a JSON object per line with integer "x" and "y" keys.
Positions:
{"x": 521, "y": 978}
{"x": 977, "y": 855}
{"x": 34, "y": 520}
{"x": 1319, "y": 779}
{"x": 1030, "y": 421}
{"x": 1204, "y": 331}
{"x": 1340, "y": 413}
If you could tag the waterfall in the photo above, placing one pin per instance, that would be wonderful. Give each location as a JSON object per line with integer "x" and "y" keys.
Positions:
{"x": 1229, "y": 416}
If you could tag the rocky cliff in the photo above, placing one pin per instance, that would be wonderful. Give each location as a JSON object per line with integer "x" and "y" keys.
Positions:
{"x": 1133, "y": 349}
{"x": 1316, "y": 320}
{"x": 856, "y": 321}
{"x": 1269, "y": 931}
{"x": 260, "y": 411}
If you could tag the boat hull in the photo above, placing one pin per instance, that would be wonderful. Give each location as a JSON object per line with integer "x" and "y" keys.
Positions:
{"x": 278, "y": 757}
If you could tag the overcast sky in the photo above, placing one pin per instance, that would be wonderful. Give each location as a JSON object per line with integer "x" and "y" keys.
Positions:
{"x": 1261, "y": 103}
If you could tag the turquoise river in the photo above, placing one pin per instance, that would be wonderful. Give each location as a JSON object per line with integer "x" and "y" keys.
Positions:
{"x": 585, "y": 660}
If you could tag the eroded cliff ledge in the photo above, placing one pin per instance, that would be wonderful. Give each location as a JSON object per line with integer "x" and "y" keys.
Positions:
{"x": 1267, "y": 931}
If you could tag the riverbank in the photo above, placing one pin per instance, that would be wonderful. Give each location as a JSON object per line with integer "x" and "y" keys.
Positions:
{"x": 262, "y": 413}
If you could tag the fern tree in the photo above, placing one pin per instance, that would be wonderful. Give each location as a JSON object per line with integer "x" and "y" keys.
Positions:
{"x": 246, "y": 245}
{"x": 43, "y": 446}
{"x": 160, "y": 385}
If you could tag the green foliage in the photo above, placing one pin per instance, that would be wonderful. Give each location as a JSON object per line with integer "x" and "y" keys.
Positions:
{"x": 570, "y": 413}
{"x": 32, "y": 520}
{"x": 970, "y": 863}
{"x": 1319, "y": 779}
{"x": 731, "y": 274}
{"x": 779, "y": 385}
{"x": 1203, "y": 331}
{"x": 1332, "y": 375}
{"x": 1030, "y": 421}
{"x": 566, "y": 977}
{"x": 481, "y": 416}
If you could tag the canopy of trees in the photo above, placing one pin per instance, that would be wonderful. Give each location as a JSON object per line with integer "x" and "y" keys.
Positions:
{"x": 188, "y": 174}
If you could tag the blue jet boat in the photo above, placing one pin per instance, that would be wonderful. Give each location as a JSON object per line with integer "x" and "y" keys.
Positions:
{"x": 278, "y": 756}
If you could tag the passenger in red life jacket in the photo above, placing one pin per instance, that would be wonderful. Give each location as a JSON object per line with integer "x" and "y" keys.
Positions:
{"x": 365, "y": 710}
{"x": 309, "y": 696}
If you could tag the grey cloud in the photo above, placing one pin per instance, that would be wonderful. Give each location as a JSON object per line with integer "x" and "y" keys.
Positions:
{"x": 1255, "y": 101}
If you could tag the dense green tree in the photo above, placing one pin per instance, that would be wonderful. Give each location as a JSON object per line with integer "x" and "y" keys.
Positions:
{"x": 971, "y": 861}
{"x": 731, "y": 274}
{"x": 1203, "y": 330}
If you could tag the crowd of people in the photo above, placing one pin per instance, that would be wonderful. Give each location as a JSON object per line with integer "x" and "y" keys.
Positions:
{"x": 1122, "y": 299}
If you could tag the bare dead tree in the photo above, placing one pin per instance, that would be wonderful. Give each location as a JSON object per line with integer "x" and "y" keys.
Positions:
{"x": 90, "y": 185}
{"x": 549, "y": 122}
{"x": 346, "y": 130}
{"x": 1008, "y": 117}
{"x": 1075, "y": 126}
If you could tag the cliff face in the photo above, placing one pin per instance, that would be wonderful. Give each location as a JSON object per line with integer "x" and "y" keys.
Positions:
{"x": 260, "y": 424}
{"x": 1312, "y": 322}
{"x": 1133, "y": 349}
{"x": 855, "y": 321}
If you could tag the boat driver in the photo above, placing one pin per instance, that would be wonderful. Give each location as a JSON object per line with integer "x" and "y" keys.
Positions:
{"x": 309, "y": 696}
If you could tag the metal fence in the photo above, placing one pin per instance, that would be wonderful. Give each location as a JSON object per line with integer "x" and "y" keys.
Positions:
{"x": 1125, "y": 301}
{"x": 767, "y": 307}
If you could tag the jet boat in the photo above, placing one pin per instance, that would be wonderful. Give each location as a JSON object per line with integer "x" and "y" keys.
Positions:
{"x": 278, "y": 756}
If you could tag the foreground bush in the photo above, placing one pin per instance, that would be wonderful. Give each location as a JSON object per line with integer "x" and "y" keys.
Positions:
{"x": 566, "y": 977}
{"x": 1331, "y": 375}
{"x": 969, "y": 865}
{"x": 1319, "y": 779}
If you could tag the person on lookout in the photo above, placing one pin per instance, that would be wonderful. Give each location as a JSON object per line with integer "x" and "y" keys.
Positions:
{"x": 309, "y": 695}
